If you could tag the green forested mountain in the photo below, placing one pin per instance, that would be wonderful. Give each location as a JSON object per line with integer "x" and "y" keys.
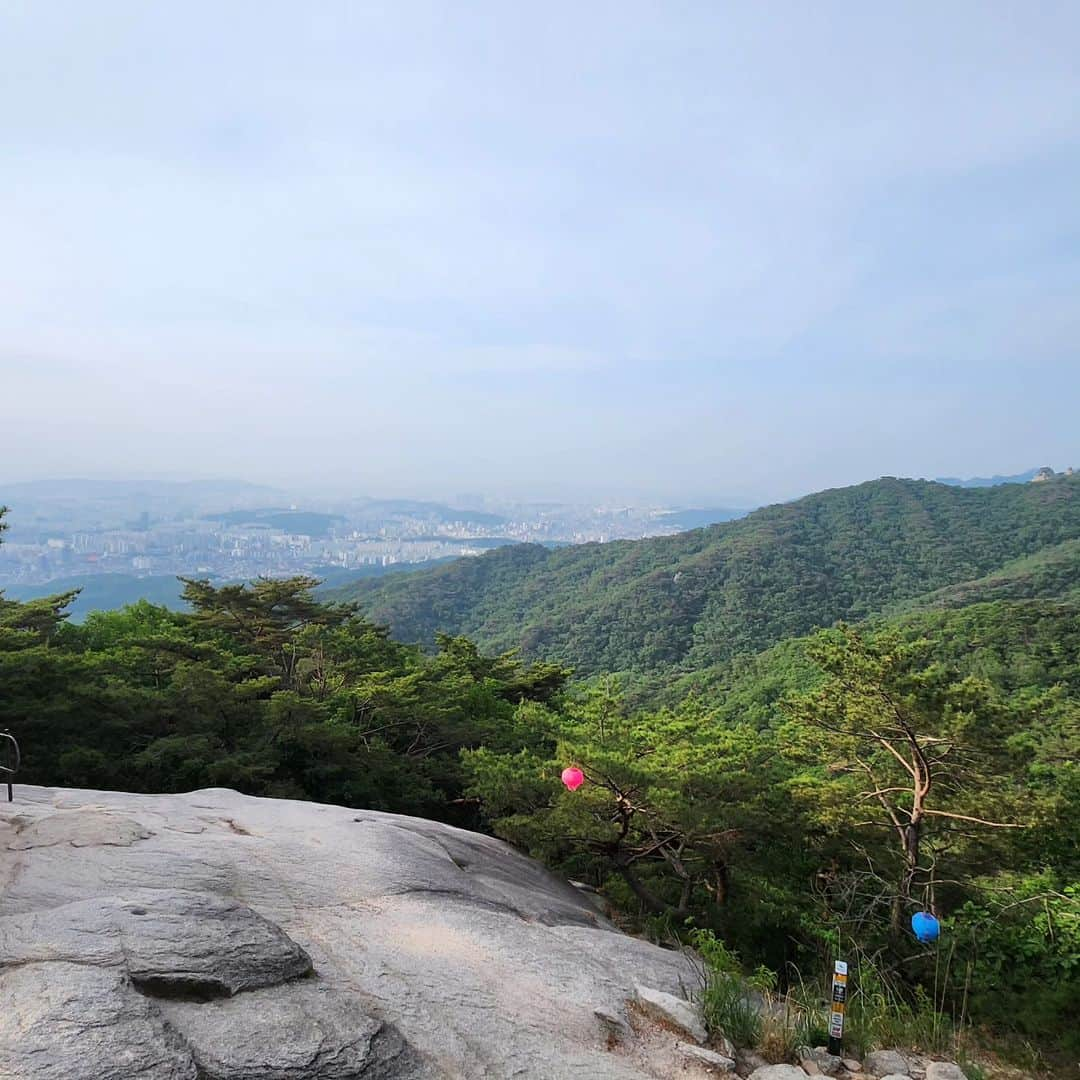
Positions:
{"x": 1015, "y": 646}
{"x": 750, "y": 803}
{"x": 690, "y": 601}
{"x": 1051, "y": 572}
{"x": 785, "y": 802}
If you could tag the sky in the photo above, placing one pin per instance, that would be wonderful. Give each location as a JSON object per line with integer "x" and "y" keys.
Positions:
{"x": 678, "y": 251}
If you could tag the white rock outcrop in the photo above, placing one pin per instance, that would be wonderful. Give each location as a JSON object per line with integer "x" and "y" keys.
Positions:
{"x": 221, "y": 937}
{"x": 674, "y": 1012}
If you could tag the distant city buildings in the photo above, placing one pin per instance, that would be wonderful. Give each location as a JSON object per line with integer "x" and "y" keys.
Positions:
{"x": 97, "y": 536}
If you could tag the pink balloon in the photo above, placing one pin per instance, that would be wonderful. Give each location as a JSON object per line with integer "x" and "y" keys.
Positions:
{"x": 573, "y": 778}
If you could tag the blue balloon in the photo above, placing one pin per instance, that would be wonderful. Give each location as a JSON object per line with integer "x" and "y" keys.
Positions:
{"x": 926, "y": 927}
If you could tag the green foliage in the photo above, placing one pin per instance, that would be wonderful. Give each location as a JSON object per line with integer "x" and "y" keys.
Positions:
{"x": 1051, "y": 572}
{"x": 882, "y": 1013}
{"x": 685, "y": 602}
{"x": 730, "y": 1001}
{"x": 755, "y": 785}
{"x": 680, "y": 815}
{"x": 900, "y": 748}
{"x": 1020, "y": 957}
{"x": 263, "y": 689}
{"x": 32, "y": 623}
{"x": 766, "y": 835}
{"x": 748, "y": 1010}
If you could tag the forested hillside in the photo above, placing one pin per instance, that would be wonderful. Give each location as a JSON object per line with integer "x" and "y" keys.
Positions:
{"x": 689, "y": 601}
{"x": 1051, "y": 572}
{"x": 263, "y": 689}
{"x": 758, "y": 795}
{"x": 783, "y": 802}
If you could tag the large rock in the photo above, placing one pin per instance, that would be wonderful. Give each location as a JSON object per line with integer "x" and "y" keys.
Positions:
{"x": 304, "y": 1032}
{"x": 818, "y": 1060}
{"x": 223, "y": 937}
{"x": 944, "y": 1070}
{"x": 710, "y": 1059}
{"x": 778, "y": 1072}
{"x": 675, "y": 1012}
{"x": 747, "y": 1061}
{"x": 64, "y": 1021}
{"x": 885, "y": 1062}
{"x": 172, "y": 943}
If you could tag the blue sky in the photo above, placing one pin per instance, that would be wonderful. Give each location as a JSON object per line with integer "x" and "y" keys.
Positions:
{"x": 668, "y": 250}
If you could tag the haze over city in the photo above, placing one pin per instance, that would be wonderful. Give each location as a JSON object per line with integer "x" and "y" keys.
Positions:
{"x": 539, "y": 540}
{"x": 635, "y": 250}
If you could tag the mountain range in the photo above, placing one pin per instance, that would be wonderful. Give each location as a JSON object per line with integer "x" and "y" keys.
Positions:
{"x": 988, "y": 481}
{"x": 693, "y": 600}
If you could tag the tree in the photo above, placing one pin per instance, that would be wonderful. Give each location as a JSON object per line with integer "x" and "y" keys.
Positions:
{"x": 912, "y": 748}
{"x": 680, "y": 816}
{"x": 32, "y": 622}
{"x": 266, "y": 616}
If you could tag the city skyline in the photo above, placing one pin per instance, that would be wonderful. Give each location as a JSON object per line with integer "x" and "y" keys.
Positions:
{"x": 122, "y": 541}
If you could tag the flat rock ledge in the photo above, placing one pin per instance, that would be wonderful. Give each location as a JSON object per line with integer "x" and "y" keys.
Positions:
{"x": 214, "y": 936}
{"x": 678, "y": 1013}
{"x": 160, "y": 983}
{"x": 717, "y": 1063}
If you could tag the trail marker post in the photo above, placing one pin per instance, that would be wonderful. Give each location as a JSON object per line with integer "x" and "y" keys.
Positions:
{"x": 836, "y": 1008}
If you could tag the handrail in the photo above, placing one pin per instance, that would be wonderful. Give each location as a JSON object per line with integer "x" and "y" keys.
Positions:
{"x": 15, "y": 759}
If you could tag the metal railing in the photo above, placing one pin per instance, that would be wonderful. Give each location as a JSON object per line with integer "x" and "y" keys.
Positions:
{"x": 10, "y": 759}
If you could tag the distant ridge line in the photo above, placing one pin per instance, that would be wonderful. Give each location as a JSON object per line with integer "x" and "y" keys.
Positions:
{"x": 987, "y": 481}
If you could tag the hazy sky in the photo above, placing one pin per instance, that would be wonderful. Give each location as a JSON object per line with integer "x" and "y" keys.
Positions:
{"x": 548, "y": 249}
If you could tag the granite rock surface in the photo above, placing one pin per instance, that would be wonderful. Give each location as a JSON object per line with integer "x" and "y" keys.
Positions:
{"x": 215, "y": 936}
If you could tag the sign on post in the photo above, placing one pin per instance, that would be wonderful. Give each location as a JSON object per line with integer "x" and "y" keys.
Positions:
{"x": 836, "y": 1008}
